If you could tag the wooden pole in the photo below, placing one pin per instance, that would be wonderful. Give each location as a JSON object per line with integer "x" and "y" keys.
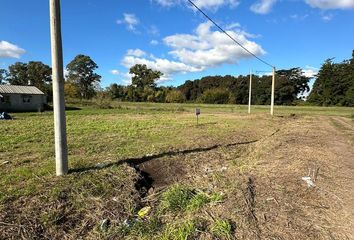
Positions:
{"x": 273, "y": 92}
{"x": 61, "y": 149}
{"x": 250, "y": 94}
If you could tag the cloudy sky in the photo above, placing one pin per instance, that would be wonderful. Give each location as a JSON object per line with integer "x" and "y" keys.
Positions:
{"x": 171, "y": 36}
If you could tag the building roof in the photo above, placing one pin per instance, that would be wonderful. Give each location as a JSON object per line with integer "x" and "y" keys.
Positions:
{"x": 15, "y": 89}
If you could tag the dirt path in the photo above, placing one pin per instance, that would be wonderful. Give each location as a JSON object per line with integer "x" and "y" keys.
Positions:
{"x": 343, "y": 147}
{"x": 302, "y": 148}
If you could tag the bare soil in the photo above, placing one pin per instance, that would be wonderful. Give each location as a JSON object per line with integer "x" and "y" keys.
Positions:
{"x": 261, "y": 177}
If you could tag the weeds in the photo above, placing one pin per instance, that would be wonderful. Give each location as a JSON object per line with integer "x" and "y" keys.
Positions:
{"x": 197, "y": 201}
{"x": 180, "y": 198}
{"x": 222, "y": 228}
{"x": 177, "y": 198}
{"x": 179, "y": 232}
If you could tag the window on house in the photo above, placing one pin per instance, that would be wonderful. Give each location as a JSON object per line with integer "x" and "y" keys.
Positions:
{"x": 26, "y": 98}
{"x": 4, "y": 99}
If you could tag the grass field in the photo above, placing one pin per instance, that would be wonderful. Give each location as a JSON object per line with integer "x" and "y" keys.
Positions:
{"x": 135, "y": 155}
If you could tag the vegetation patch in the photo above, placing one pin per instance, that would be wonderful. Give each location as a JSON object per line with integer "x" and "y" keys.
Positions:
{"x": 182, "y": 231}
{"x": 179, "y": 198}
{"x": 222, "y": 229}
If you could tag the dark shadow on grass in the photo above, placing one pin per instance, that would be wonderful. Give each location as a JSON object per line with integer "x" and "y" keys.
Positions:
{"x": 72, "y": 108}
{"x": 137, "y": 161}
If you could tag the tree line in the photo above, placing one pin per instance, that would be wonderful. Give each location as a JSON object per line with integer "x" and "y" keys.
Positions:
{"x": 81, "y": 80}
{"x": 212, "y": 89}
{"x": 334, "y": 84}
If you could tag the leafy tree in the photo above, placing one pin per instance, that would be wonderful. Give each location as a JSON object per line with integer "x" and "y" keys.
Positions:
{"x": 34, "y": 73}
{"x": 3, "y": 76}
{"x": 290, "y": 83}
{"x": 216, "y": 96}
{"x": 40, "y": 76}
{"x": 18, "y": 74}
{"x": 334, "y": 84}
{"x": 81, "y": 74}
{"x": 144, "y": 77}
{"x": 143, "y": 85}
{"x": 70, "y": 90}
{"x": 175, "y": 96}
{"x": 116, "y": 91}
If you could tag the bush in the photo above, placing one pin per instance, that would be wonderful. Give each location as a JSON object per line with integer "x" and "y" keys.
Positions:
{"x": 217, "y": 96}
{"x": 175, "y": 96}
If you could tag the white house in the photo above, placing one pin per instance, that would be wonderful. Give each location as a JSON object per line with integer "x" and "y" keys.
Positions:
{"x": 15, "y": 98}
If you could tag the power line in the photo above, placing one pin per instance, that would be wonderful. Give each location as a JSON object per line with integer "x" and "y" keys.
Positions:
{"x": 233, "y": 39}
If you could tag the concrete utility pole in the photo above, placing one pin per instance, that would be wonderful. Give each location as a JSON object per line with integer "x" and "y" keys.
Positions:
{"x": 61, "y": 149}
{"x": 273, "y": 90}
{"x": 250, "y": 94}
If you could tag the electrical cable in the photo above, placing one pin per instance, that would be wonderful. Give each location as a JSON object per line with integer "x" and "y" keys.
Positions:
{"x": 233, "y": 39}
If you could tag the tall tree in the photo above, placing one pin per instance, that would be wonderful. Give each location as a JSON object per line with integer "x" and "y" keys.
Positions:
{"x": 18, "y": 74}
{"x": 290, "y": 83}
{"x": 81, "y": 74}
{"x": 39, "y": 73}
{"x": 3, "y": 76}
{"x": 334, "y": 84}
{"x": 33, "y": 73}
{"x": 144, "y": 76}
{"x": 40, "y": 76}
{"x": 143, "y": 85}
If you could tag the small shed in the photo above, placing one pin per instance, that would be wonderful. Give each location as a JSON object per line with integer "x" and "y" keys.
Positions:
{"x": 15, "y": 98}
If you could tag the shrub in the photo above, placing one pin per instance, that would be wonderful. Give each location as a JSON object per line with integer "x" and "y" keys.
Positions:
{"x": 175, "y": 96}
{"x": 217, "y": 96}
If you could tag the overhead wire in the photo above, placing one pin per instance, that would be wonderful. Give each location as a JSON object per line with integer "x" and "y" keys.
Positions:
{"x": 233, "y": 39}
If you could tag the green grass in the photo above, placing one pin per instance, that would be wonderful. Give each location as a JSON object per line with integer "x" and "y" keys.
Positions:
{"x": 28, "y": 186}
{"x": 180, "y": 198}
{"x": 227, "y": 108}
{"x": 177, "y": 198}
{"x": 222, "y": 228}
{"x": 179, "y": 231}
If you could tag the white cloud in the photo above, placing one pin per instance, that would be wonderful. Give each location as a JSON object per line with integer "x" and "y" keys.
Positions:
{"x": 114, "y": 72}
{"x": 214, "y": 4}
{"x": 263, "y": 6}
{"x": 127, "y": 78}
{"x": 166, "y": 3}
{"x": 331, "y": 4}
{"x": 9, "y": 50}
{"x": 210, "y": 48}
{"x": 130, "y": 20}
{"x": 310, "y": 72}
{"x": 136, "y": 52}
{"x": 164, "y": 65}
{"x": 196, "y": 52}
{"x": 153, "y": 30}
{"x": 233, "y": 26}
{"x": 327, "y": 17}
{"x": 154, "y": 42}
{"x": 299, "y": 17}
{"x": 205, "y": 4}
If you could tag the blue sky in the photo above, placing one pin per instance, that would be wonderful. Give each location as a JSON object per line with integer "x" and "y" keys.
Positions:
{"x": 171, "y": 36}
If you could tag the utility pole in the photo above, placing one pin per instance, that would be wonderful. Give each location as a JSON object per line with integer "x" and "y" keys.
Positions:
{"x": 61, "y": 149}
{"x": 250, "y": 94}
{"x": 273, "y": 90}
